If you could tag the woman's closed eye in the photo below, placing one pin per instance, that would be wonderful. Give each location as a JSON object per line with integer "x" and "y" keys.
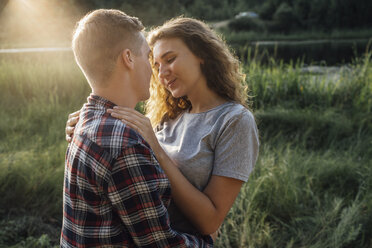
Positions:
{"x": 171, "y": 59}
{"x": 168, "y": 61}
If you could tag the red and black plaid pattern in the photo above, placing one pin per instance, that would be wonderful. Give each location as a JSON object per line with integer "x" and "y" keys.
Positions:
{"x": 115, "y": 193}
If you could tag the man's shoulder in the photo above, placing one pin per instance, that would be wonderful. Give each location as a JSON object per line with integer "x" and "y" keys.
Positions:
{"x": 109, "y": 133}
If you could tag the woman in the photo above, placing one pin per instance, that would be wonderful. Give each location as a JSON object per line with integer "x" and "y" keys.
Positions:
{"x": 206, "y": 141}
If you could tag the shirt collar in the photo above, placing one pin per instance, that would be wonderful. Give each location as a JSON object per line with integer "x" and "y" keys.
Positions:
{"x": 100, "y": 101}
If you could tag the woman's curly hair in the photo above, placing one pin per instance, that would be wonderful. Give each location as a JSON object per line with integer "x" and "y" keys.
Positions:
{"x": 221, "y": 68}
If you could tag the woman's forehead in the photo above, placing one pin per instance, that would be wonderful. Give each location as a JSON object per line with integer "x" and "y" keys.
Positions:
{"x": 163, "y": 46}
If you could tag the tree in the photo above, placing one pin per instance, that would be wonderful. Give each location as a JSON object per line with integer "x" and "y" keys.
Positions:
{"x": 284, "y": 18}
{"x": 267, "y": 10}
{"x": 301, "y": 9}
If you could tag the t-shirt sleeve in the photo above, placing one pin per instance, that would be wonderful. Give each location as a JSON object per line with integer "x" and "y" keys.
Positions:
{"x": 237, "y": 148}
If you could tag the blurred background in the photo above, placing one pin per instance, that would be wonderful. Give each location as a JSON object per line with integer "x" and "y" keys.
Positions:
{"x": 334, "y": 30}
{"x": 309, "y": 71}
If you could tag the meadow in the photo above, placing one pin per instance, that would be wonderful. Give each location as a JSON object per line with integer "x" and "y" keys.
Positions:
{"x": 312, "y": 185}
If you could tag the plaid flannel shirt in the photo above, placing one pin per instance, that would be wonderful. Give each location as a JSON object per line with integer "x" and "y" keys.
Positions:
{"x": 115, "y": 193}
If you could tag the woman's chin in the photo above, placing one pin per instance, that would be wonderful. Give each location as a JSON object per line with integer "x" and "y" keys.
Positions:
{"x": 176, "y": 94}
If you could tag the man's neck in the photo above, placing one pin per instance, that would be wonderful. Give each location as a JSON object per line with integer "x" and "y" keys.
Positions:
{"x": 119, "y": 97}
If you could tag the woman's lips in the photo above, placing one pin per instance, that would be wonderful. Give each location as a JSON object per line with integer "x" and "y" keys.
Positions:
{"x": 171, "y": 83}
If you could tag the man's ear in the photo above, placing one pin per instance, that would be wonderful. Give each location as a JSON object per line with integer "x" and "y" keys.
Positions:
{"x": 127, "y": 58}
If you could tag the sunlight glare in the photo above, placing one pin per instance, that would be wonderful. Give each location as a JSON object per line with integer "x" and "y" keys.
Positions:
{"x": 36, "y": 22}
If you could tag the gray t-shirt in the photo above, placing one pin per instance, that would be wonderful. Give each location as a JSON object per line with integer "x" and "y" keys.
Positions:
{"x": 222, "y": 141}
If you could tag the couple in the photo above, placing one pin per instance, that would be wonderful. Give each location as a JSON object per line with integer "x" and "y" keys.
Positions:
{"x": 126, "y": 186}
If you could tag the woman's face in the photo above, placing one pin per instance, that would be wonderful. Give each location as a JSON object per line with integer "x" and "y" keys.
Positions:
{"x": 178, "y": 68}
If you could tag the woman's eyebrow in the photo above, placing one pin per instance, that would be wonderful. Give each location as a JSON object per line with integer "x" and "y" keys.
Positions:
{"x": 162, "y": 56}
{"x": 165, "y": 54}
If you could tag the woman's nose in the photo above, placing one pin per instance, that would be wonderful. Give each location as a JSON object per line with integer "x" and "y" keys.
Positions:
{"x": 163, "y": 71}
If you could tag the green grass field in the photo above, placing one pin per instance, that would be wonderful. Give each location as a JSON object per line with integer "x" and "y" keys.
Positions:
{"x": 312, "y": 185}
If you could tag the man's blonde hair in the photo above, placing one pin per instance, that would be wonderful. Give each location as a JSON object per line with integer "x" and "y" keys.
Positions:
{"x": 100, "y": 37}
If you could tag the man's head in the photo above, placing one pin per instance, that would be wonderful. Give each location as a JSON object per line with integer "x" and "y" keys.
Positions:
{"x": 100, "y": 38}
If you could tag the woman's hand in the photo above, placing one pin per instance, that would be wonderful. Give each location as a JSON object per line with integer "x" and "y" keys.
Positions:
{"x": 70, "y": 125}
{"x": 138, "y": 122}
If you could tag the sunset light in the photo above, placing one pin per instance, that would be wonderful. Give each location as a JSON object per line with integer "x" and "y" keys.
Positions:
{"x": 36, "y": 22}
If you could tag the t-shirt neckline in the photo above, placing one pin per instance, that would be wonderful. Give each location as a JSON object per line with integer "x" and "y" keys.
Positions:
{"x": 209, "y": 110}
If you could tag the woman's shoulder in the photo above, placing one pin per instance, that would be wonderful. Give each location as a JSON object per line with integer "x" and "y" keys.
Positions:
{"x": 237, "y": 112}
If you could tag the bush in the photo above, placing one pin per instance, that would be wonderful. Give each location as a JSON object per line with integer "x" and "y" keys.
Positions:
{"x": 267, "y": 10}
{"x": 285, "y": 18}
{"x": 28, "y": 231}
{"x": 246, "y": 24}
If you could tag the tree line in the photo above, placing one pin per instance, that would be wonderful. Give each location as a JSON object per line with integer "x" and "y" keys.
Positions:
{"x": 317, "y": 14}
{"x": 155, "y": 12}
{"x": 282, "y": 14}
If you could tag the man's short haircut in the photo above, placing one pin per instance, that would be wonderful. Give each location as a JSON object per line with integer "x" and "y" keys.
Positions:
{"x": 100, "y": 37}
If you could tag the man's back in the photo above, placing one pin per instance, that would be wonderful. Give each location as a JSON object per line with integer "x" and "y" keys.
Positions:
{"x": 89, "y": 214}
{"x": 115, "y": 192}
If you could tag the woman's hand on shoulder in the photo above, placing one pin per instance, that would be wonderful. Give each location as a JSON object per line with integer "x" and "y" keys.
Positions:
{"x": 138, "y": 122}
{"x": 72, "y": 119}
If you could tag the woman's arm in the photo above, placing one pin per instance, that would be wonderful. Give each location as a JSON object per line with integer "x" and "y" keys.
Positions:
{"x": 207, "y": 209}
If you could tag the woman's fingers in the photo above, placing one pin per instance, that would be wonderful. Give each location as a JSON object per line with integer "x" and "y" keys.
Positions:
{"x": 76, "y": 113}
{"x": 69, "y": 130}
{"x": 68, "y": 138}
{"x": 73, "y": 118}
{"x": 72, "y": 121}
{"x": 135, "y": 120}
{"x": 137, "y": 125}
{"x": 127, "y": 111}
{"x": 131, "y": 113}
{"x": 138, "y": 122}
{"x": 126, "y": 115}
{"x": 134, "y": 124}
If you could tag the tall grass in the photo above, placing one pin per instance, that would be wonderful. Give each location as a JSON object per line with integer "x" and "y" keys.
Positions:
{"x": 301, "y": 198}
{"x": 37, "y": 93}
{"x": 279, "y": 83}
{"x": 311, "y": 186}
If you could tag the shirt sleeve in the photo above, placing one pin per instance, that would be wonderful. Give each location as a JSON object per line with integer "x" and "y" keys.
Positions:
{"x": 135, "y": 190}
{"x": 237, "y": 147}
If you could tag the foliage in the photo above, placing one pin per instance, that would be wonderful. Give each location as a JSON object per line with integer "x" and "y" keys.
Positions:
{"x": 155, "y": 12}
{"x": 267, "y": 10}
{"x": 27, "y": 232}
{"x": 318, "y": 14}
{"x": 284, "y": 17}
{"x": 246, "y": 23}
{"x": 308, "y": 14}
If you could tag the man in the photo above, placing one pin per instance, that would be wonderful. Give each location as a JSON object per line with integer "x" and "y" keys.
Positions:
{"x": 115, "y": 193}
